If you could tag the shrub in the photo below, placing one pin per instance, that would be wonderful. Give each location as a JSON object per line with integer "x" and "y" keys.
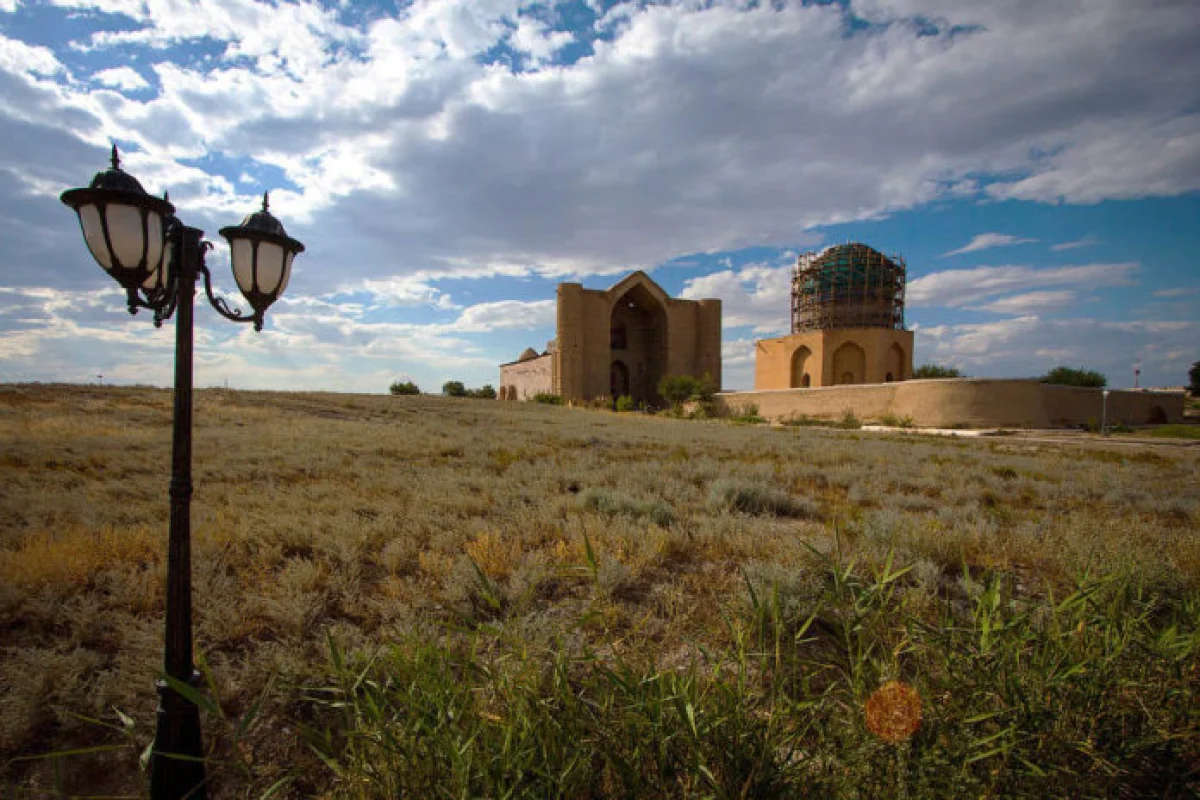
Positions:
{"x": 757, "y": 498}
{"x": 1065, "y": 376}
{"x": 705, "y": 395}
{"x": 607, "y": 501}
{"x": 849, "y": 420}
{"x": 485, "y": 392}
{"x": 1177, "y": 431}
{"x": 548, "y": 399}
{"x": 625, "y": 403}
{"x": 747, "y": 413}
{"x": 677, "y": 389}
{"x": 801, "y": 421}
{"x": 454, "y": 389}
{"x": 936, "y": 371}
{"x": 408, "y": 387}
{"x": 894, "y": 421}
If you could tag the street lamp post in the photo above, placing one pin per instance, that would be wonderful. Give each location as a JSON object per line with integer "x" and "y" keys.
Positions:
{"x": 157, "y": 259}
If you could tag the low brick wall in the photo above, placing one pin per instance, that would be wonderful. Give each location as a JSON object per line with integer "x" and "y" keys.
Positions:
{"x": 973, "y": 402}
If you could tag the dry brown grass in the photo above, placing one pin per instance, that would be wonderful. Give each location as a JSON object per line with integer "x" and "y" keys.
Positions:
{"x": 366, "y": 516}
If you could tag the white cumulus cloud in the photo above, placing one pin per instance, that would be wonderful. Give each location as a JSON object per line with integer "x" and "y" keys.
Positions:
{"x": 403, "y": 152}
{"x": 506, "y": 314}
{"x": 123, "y": 78}
{"x": 964, "y": 287}
{"x": 985, "y": 241}
{"x": 1087, "y": 241}
{"x": 1029, "y": 346}
{"x": 1030, "y": 302}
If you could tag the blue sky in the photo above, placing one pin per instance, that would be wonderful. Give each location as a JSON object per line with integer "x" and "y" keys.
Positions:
{"x": 447, "y": 163}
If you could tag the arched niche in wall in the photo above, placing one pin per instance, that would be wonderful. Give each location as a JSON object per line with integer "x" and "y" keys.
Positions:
{"x": 894, "y": 365}
{"x": 849, "y": 364}
{"x": 800, "y": 360}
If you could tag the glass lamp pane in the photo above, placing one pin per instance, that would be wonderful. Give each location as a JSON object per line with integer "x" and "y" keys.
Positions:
{"x": 287, "y": 272}
{"x": 154, "y": 239}
{"x": 151, "y": 282}
{"x": 154, "y": 254}
{"x": 270, "y": 267}
{"x": 125, "y": 233}
{"x": 168, "y": 262}
{"x": 241, "y": 252}
{"x": 93, "y": 234}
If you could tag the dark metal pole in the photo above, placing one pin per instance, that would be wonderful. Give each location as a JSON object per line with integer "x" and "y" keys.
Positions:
{"x": 178, "y": 734}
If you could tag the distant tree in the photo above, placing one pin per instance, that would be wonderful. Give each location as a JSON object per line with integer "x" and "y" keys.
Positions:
{"x": 408, "y": 387}
{"x": 485, "y": 392}
{"x": 454, "y": 389}
{"x": 936, "y": 371}
{"x": 1065, "y": 376}
{"x": 1194, "y": 378}
{"x": 677, "y": 389}
{"x": 706, "y": 390}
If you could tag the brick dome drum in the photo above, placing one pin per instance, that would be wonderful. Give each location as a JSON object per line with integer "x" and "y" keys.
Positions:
{"x": 847, "y": 286}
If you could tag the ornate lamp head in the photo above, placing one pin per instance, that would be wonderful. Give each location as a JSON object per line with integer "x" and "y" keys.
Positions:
{"x": 123, "y": 225}
{"x": 262, "y": 254}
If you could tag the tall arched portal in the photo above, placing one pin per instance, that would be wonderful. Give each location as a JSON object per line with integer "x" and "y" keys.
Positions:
{"x": 622, "y": 339}
{"x": 849, "y": 364}
{"x": 642, "y": 319}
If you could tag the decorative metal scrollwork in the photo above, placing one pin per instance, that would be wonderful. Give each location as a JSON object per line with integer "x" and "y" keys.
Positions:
{"x": 164, "y": 301}
{"x": 222, "y": 306}
{"x": 161, "y": 302}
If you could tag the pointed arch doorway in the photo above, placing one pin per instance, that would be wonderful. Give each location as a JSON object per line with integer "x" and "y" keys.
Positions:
{"x": 638, "y": 344}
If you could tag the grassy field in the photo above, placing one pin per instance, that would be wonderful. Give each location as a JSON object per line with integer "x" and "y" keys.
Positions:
{"x": 422, "y": 597}
{"x": 1176, "y": 431}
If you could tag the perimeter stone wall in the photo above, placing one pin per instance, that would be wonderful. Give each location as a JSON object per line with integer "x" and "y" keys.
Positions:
{"x": 971, "y": 402}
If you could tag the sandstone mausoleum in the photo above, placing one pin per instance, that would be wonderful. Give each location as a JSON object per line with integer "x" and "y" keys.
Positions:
{"x": 619, "y": 341}
{"x": 848, "y": 353}
{"x": 847, "y": 323}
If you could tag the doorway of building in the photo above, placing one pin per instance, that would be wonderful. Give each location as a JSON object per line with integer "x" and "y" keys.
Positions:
{"x": 618, "y": 379}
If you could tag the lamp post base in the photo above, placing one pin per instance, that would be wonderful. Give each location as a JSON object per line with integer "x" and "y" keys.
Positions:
{"x": 177, "y": 764}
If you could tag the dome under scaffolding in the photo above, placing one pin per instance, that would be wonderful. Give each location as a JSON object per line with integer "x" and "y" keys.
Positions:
{"x": 847, "y": 286}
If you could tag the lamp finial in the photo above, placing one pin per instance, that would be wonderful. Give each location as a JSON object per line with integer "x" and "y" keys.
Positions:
{"x": 116, "y": 158}
{"x": 266, "y": 200}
